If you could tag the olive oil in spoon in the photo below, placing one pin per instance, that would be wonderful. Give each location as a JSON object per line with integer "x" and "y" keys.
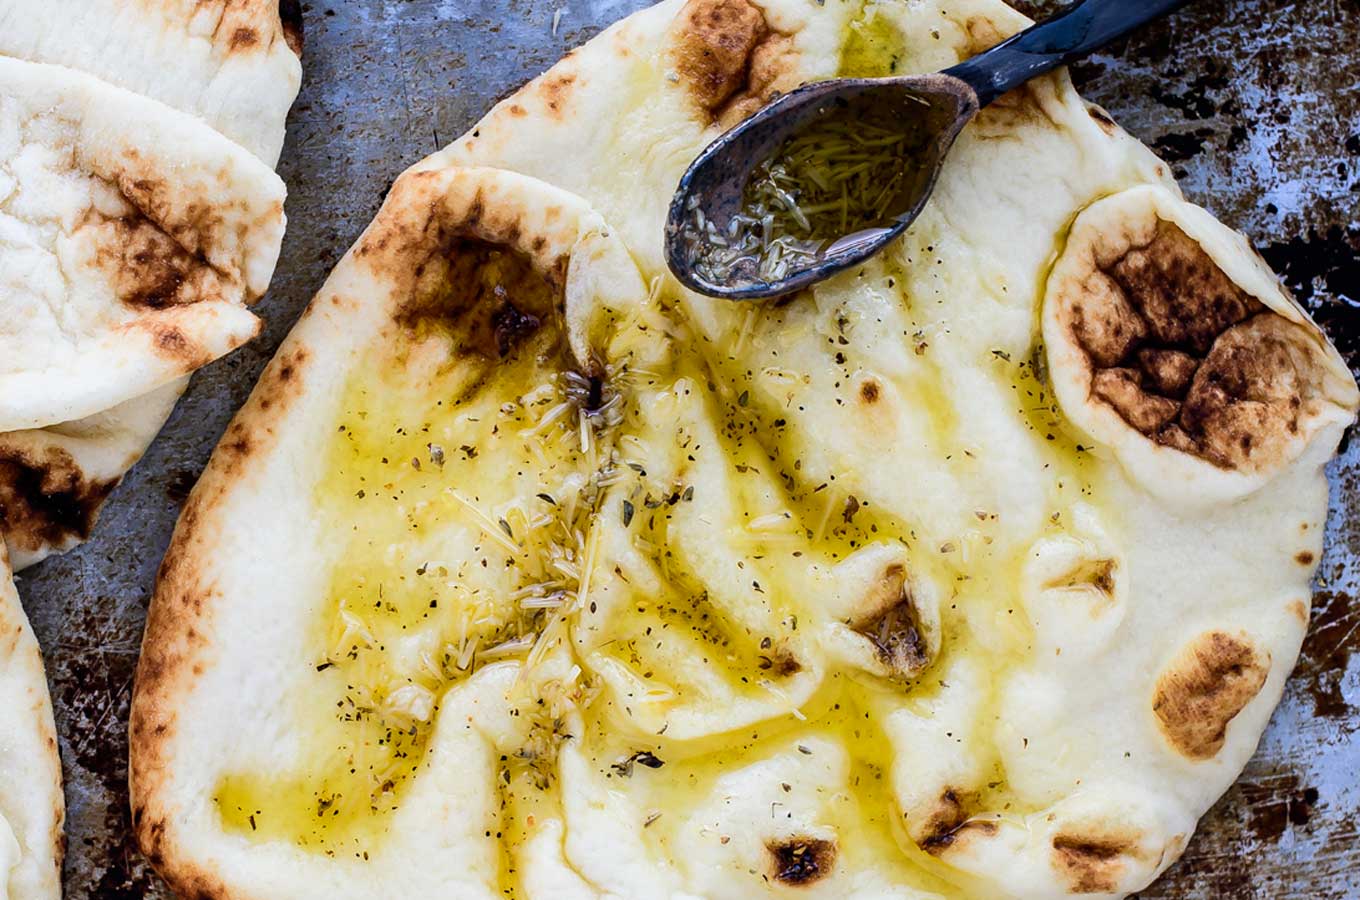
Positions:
{"x": 843, "y": 177}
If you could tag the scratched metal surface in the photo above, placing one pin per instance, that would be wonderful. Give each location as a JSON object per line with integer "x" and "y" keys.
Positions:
{"x": 1256, "y": 103}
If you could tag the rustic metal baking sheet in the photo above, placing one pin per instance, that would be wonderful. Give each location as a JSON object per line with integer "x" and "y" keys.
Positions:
{"x": 1256, "y": 103}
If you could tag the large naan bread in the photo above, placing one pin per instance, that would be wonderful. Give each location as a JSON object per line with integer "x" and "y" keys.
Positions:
{"x": 974, "y": 572}
{"x": 31, "y": 807}
{"x": 132, "y": 232}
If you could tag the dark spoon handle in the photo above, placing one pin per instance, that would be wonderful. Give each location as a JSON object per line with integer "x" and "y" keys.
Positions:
{"x": 1062, "y": 39}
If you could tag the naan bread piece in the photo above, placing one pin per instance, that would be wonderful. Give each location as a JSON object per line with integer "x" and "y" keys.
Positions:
{"x": 131, "y": 239}
{"x": 54, "y": 480}
{"x": 232, "y": 63}
{"x": 31, "y": 803}
{"x": 833, "y": 573}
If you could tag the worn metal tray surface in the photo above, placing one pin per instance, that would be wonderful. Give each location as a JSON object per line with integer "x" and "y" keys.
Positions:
{"x": 1256, "y": 104}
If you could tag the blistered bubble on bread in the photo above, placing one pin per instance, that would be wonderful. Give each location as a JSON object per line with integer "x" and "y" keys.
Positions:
{"x": 1204, "y": 688}
{"x": 1180, "y": 351}
{"x": 1076, "y": 587}
{"x": 884, "y": 621}
{"x": 1190, "y": 359}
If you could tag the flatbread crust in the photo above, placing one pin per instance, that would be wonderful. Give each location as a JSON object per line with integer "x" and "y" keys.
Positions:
{"x": 232, "y": 65}
{"x": 31, "y": 803}
{"x": 884, "y": 591}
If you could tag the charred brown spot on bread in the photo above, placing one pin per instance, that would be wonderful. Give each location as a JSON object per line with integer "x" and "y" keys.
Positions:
{"x": 869, "y": 391}
{"x": 154, "y": 266}
{"x": 184, "y": 878}
{"x": 59, "y": 834}
{"x": 556, "y": 89}
{"x": 468, "y": 268}
{"x": 1026, "y": 106}
{"x": 420, "y": 229}
{"x": 949, "y": 823}
{"x": 193, "y": 226}
{"x": 897, "y": 635}
{"x": 1300, "y": 610}
{"x": 1249, "y": 397}
{"x": 1304, "y": 558}
{"x": 488, "y": 297}
{"x": 1104, "y": 322}
{"x": 1097, "y": 574}
{"x": 1092, "y": 864}
{"x": 150, "y": 269}
{"x": 1123, "y": 389}
{"x": 156, "y": 256}
{"x": 773, "y": 62}
{"x": 173, "y": 630}
{"x": 780, "y": 661}
{"x": 236, "y": 442}
{"x": 727, "y": 56}
{"x": 893, "y": 624}
{"x": 1102, "y": 119}
{"x": 1189, "y": 359}
{"x": 714, "y": 46}
{"x": 170, "y": 341}
{"x": 948, "y": 815}
{"x": 1204, "y": 688}
{"x": 278, "y": 386}
{"x": 150, "y": 830}
{"x": 45, "y": 498}
{"x": 801, "y": 860}
{"x": 940, "y": 842}
{"x": 1101, "y": 575}
{"x": 1168, "y": 372}
{"x": 982, "y": 35}
{"x": 510, "y": 325}
{"x": 1184, "y": 297}
{"x": 243, "y": 38}
{"x": 290, "y": 18}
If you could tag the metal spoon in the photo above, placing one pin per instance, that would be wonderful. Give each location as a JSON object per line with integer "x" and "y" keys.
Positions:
{"x": 943, "y": 103}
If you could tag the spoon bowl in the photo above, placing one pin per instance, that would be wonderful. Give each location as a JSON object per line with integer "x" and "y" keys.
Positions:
{"x": 937, "y": 106}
